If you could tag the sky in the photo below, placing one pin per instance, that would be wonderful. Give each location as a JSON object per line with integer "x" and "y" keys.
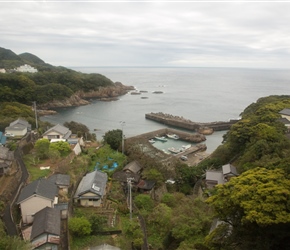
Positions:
{"x": 248, "y": 34}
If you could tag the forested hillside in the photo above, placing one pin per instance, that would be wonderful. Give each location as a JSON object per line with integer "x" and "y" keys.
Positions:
{"x": 49, "y": 83}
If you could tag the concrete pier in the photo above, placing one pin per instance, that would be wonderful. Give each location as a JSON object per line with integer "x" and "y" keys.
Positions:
{"x": 180, "y": 122}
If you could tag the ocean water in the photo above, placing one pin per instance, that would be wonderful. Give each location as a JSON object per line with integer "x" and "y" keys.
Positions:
{"x": 198, "y": 94}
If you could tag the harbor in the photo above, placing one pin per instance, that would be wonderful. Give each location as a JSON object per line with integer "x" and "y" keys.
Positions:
{"x": 180, "y": 122}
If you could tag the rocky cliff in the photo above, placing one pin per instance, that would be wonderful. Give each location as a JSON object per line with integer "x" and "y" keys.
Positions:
{"x": 81, "y": 98}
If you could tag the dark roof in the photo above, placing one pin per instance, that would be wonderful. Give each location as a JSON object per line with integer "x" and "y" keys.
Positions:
{"x": 6, "y": 154}
{"x": 21, "y": 123}
{"x": 60, "y": 179}
{"x": 47, "y": 221}
{"x": 94, "y": 182}
{"x": 285, "y": 111}
{"x": 64, "y": 131}
{"x": 284, "y": 120}
{"x": 229, "y": 169}
{"x": 41, "y": 187}
{"x": 146, "y": 184}
{"x": 123, "y": 176}
{"x": 133, "y": 167}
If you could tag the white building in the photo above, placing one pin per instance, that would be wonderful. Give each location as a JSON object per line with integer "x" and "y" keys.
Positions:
{"x": 26, "y": 68}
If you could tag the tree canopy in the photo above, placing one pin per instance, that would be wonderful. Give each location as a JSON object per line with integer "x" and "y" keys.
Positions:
{"x": 258, "y": 201}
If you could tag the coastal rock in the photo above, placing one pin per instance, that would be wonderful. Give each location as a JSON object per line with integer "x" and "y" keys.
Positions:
{"x": 110, "y": 93}
{"x": 74, "y": 100}
{"x": 114, "y": 91}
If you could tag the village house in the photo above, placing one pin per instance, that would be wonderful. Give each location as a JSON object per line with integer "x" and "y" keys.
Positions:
{"x": 46, "y": 229}
{"x": 6, "y": 160}
{"x": 133, "y": 167}
{"x": 285, "y": 113}
{"x": 3, "y": 139}
{"x": 221, "y": 176}
{"x": 35, "y": 196}
{"x": 26, "y": 68}
{"x": 18, "y": 127}
{"x": 57, "y": 132}
{"x": 62, "y": 181}
{"x": 92, "y": 189}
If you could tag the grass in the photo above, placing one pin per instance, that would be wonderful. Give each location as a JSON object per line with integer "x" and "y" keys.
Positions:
{"x": 34, "y": 171}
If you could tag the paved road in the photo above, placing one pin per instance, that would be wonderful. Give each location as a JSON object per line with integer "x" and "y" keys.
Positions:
{"x": 7, "y": 217}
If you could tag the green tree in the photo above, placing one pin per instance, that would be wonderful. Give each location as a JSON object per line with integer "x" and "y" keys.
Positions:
{"x": 113, "y": 138}
{"x": 42, "y": 148}
{"x": 79, "y": 226}
{"x": 133, "y": 232}
{"x": 97, "y": 223}
{"x": 255, "y": 204}
{"x": 61, "y": 146}
{"x": 144, "y": 202}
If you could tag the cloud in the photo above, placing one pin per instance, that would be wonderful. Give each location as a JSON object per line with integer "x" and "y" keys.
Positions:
{"x": 149, "y": 33}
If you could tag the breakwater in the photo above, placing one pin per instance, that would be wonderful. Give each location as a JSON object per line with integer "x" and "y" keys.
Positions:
{"x": 180, "y": 122}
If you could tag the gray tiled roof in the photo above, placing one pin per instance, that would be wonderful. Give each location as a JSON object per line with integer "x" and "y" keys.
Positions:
{"x": 229, "y": 169}
{"x": 133, "y": 166}
{"x": 285, "y": 111}
{"x": 47, "y": 221}
{"x": 41, "y": 187}
{"x": 6, "y": 154}
{"x": 64, "y": 131}
{"x": 60, "y": 179}
{"x": 94, "y": 182}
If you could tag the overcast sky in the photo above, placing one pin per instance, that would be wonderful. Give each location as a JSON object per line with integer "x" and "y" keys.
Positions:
{"x": 152, "y": 33}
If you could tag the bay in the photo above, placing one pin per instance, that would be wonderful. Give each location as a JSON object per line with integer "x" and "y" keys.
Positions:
{"x": 197, "y": 94}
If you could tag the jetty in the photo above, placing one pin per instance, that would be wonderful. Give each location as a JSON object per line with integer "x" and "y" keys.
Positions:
{"x": 180, "y": 122}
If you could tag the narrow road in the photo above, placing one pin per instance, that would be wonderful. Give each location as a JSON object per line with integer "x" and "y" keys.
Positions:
{"x": 7, "y": 217}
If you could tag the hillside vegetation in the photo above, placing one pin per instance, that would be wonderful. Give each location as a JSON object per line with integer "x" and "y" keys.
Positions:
{"x": 48, "y": 84}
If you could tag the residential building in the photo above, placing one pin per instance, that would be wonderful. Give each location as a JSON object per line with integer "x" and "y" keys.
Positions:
{"x": 26, "y": 68}
{"x": 2, "y": 139}
{"x": 6, "y": 160}
{"x": 57, "y": 132}
{"x": 92, "y": 189}
{"x": 220, "y": 176}
{"x": 18, "y": 127}
{"x": 133, "y": 167}
{"x": 62, "y": 181}
{"x": 46, "y": 229}
{"x": 35, "y": 196}
{"x": 285, "y": 113}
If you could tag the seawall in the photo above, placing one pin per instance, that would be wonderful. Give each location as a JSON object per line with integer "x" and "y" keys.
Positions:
{"x": 180, "y": 122}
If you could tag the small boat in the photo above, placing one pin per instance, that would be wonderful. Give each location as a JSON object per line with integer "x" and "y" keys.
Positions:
{"x": 185, "y": 147}
{"x": 152, "y": 141}
{"x": 135, "y": 93}
{"x": 173, "y": 136}
{"x": 162, "y": 138}
{"x": 174, "y": 150}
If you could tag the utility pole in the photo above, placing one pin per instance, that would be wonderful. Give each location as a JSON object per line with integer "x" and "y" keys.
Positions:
{"x": 122, "y": 125}
{"x": 129, "y": 179}
{"x": 35, "y": 112}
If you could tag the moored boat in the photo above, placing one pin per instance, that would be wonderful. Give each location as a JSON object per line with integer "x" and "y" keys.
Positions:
{"x": 185, "y": 147}
{"x": 174, "y": 150}
{"x": 152, "y": 141}
{"x": 173, "y": 136}
{"x": 162, "y": 138}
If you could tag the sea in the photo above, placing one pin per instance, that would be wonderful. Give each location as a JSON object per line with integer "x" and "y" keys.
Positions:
{"x": 197, "y": 94}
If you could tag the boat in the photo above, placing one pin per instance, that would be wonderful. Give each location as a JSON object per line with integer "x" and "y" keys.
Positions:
{"x": 162, "y": 138}
{"x": 173, "y": 136}
{"x": 152, "y": 141}
{"x": 174, "y": 150}
{"x": 185, "y": 147}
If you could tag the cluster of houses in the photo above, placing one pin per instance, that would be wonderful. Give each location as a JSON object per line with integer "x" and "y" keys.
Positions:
{"x": 39, "y": 201}
{"x": 22, "y": 68}
{"x": 41, "y": 209}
